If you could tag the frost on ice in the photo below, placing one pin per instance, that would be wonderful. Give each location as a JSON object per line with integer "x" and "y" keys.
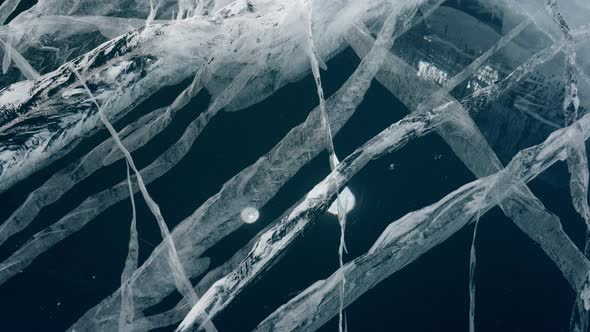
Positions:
{"x": 70, "y": 70}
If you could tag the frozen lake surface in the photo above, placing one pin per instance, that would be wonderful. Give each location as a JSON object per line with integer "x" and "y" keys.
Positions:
{"x": 359, "y": 165}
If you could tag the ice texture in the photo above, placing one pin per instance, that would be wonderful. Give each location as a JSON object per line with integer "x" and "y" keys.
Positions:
{"x": 70, "y": 69}
{"x": 127, "y": 310}
{"x": 409, "y": 237}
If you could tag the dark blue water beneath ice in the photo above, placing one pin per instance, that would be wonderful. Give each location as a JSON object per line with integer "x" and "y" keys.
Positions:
{"x": 518, "y": 287}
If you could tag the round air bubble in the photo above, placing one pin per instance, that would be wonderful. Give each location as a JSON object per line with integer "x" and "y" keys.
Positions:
{"x": 250, "y": 215}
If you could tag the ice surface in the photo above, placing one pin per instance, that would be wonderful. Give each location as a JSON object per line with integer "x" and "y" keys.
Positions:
{"x": 485, "y": 163}
{"x": 577, "y": 160}
{"x": 409, "y": 237}
{"x": 72, "y": 68}
{"x": 6, "y": 9}
{"x": 277, "y": 238}
{"x": 10, "y": 54}
{"x": 263, "y": 251}
{"x": 469, "y": 145}
{"x": 133, "y": 136}
{"x": 127, "y": 309}
{"x": 148, "y": 51}
{"x": 179, "y": 275}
